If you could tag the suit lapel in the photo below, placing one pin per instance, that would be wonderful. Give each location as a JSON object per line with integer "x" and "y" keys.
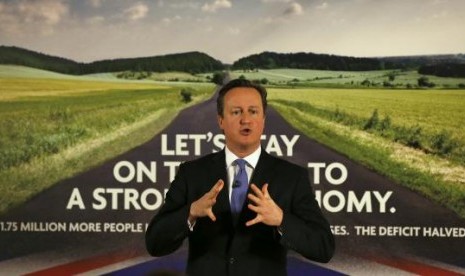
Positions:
{"x": 222, "y": 207}
{"x": 262, "y": 174}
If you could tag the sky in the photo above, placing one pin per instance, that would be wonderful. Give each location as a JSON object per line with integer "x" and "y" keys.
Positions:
{"x": 90, "y": 30}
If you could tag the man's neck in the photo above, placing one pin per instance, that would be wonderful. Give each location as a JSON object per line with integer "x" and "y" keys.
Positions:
{"x": 251, "y": 159}
{"x": 243, "y": 152}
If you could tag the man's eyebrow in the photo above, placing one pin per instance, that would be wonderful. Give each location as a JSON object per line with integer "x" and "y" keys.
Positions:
{"x": 250, "y": 106}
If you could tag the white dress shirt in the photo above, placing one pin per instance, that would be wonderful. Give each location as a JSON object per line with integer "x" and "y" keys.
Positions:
{"x": 232, "y": 168}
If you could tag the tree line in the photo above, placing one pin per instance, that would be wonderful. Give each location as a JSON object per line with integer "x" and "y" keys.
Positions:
{"x": 191, "y": 62}
{"x": 197, "y": 62}
{"x": 447, "y": 65}
{"x": 454, "y": 70}
{"x": 271, "y": 60}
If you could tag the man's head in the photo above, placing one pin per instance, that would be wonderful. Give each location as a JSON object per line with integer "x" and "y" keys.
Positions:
{"x": 241, "y": 115}
{"x": 239, "y": 83}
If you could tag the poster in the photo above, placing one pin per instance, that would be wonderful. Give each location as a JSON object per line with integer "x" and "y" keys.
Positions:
{"x": 87, "y": 156}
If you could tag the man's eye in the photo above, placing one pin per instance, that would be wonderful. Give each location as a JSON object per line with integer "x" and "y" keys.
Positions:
{"x": 236, "y": 112}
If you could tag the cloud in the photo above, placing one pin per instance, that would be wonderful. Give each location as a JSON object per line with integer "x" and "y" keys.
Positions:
{"x": 168, "y": 20}
{"x": 294, "y": 9}
{"x": 441, "y": 14}
{"x": 95, "y": 20}
{"x": 439, "y": 2}
{"x": 186, "y": 5}
{"x": 322, "y": 6}
{"x": 47, "y": 11}
{"x": 234, "y": 31}
{"x": 218, "y": 4}
{"x": 34, "y": 16}
{"x": 95, "y": 3}
{"x": 275, "y": 1}
{"x": 136, "y": 12}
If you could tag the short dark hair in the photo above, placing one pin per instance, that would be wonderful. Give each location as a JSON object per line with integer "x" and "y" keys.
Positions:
{"x": 239, "y": 83}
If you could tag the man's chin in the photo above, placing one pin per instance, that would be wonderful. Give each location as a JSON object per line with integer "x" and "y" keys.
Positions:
{"x": 248, "y": 145}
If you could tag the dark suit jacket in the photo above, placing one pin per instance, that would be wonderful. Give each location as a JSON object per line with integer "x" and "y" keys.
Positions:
{"x": 227, "y": 248}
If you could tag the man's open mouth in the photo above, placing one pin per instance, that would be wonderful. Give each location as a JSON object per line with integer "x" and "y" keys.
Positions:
{"x": 245, "y": 131}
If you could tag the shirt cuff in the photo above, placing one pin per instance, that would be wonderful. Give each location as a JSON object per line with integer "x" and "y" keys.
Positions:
{"x": 280, "y": 230}
{"x": 191, "y": 225}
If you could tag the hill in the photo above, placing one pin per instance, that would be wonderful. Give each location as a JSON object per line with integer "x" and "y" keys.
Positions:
{"x": 198, "y": 62}
{"x": 301, "y": 60}
{"x": 24, "y": 57}
{"x": 192, "y": 62}
{"x": 454, "y": 70}
{"x": 271, "y": 60}
{"x": 414, "y": 62}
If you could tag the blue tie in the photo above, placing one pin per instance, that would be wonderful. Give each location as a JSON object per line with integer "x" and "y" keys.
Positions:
{"x": 239, "y": 187}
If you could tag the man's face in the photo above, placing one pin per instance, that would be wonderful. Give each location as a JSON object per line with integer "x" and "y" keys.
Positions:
{"x": 243, "y": 120}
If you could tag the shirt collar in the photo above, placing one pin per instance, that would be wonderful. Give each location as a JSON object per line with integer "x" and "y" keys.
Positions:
{"x": 251, "y": 159}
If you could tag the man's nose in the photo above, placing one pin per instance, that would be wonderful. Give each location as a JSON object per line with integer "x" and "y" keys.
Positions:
{"x": 245, "y": 118}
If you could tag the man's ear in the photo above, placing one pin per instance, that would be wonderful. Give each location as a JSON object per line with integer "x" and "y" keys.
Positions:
{"x": 220, "y": 121}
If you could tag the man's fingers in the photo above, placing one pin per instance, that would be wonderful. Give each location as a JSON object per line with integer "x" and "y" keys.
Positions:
{"x": 254, "y": 198}
{"x": 253, "y": 221}
{"x": 219, "y": 185}
{"x": 256, "y": 190}
{"x": 253, "y": 208}
{"x": 211, "y": 215}
{"x": 216, "y": 189}
{"x": 265, "y": 190}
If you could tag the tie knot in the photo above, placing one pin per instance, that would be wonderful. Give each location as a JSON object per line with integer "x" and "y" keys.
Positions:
{"x": 241, "y": 163}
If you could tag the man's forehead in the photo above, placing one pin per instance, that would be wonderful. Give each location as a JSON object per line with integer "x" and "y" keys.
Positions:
{"x": 247, "y": 106}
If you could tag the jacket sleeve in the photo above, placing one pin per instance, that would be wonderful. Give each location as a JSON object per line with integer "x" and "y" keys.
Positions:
{"x": 304, "y": 228}
{"x": 169, "y": 228}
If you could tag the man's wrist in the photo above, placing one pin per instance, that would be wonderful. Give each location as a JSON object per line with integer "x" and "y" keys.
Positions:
{"x": 191, "y": 218}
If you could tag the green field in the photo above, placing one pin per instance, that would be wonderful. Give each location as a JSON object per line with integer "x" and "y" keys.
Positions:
{"x": 53, "y": 126}
{"x": 301, "y": 77}
{"x": 159, "y": 76}
{"x": 432, "y": 110}
{"x": 418, "y": 141}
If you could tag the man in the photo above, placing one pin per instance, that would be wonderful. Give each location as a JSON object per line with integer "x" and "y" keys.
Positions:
{"x": 233, "y": 227}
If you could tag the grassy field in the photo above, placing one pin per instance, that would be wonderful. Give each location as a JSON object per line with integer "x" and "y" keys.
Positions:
{"x": 303, "y": 77}
{"x": 432, "y": 110}
{"x": 53, "y": 126}
{"x": 160, "y": 76}
{"x": 339, "y": 118}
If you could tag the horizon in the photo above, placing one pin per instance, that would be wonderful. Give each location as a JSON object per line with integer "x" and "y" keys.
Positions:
{"x": 224, "y": 63}
{"x": 92, "y": 30}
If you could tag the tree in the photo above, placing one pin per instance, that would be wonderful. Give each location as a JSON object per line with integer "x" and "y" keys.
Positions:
{"x": 392, "y": 77}
{"x": 218, "y": 78}
{"x": 264, "y": 81}
{"x": 424, "y": 82}
{"x": 366, "y": 82}
{"x": 186, "y": 95}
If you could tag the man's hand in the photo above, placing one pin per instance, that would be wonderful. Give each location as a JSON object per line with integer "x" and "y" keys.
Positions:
{"x": 203, "y": 206}
{"x": 268, "y": 212}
